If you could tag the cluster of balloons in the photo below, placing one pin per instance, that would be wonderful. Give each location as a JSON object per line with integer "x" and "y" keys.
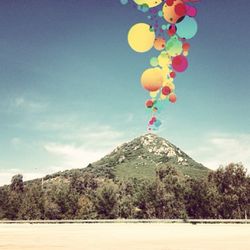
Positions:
{"x": 172, "y": 24}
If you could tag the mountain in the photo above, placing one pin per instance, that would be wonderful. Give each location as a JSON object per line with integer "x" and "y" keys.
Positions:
{"x": 139, "y": 158}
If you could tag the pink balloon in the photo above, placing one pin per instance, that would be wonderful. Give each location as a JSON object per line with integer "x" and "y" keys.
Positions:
{"x": 179, "y": 63}
{"x": 191, "y": 11}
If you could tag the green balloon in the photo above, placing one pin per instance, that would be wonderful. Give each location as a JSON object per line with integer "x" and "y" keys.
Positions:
{"x": 154, "y": 61}
{"x": 174, "y": 46}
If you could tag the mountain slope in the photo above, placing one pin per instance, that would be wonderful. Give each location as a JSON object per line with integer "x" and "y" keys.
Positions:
{"x": 141, "y": 156}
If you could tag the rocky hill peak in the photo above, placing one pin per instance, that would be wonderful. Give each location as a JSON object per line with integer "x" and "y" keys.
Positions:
{"x": 159, "y": 146}
{"x": 144, "y": 153}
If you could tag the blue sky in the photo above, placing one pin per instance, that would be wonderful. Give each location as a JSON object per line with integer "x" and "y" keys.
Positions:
{"x": 70, "y": 85}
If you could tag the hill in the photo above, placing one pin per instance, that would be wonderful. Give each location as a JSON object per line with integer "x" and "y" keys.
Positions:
{"x": 139, "y": 158}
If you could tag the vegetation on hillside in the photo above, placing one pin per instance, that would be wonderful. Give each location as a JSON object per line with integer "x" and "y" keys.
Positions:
{"x": 223, "y": 194}
{"x": 139, "y": 158}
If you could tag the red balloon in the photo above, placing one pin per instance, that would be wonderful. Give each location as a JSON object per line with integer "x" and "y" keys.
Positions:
{"x": 166, "y": 90}
{"x": 149, "y": 103}
{"x": 170, "y": 2}
{"x": 180, "y": 9}
{"x": 172, "y": 74}
{"x": 172, "y": 30}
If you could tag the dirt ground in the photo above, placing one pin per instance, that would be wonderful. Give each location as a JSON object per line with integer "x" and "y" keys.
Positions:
{"x": 125, "y": 237}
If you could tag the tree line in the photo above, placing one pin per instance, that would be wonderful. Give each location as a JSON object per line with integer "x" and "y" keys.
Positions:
{"x": 223, "y": 194}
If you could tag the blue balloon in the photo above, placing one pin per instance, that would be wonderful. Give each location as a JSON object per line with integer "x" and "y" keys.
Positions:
{"x": 160, "y": 13}
{"x": 143, "y": 8}
{"x": 187, "y": 28}
{"x": 124, "y": 2}
{"x": 157, "y": 123}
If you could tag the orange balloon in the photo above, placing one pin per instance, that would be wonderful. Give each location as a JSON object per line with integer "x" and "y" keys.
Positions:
{"x": 171, "y": 13}
{"x": 172, "y": 98}
{"x": 185, "y": 46}
{"x": 152, "y": 79}
{"x": 159, "y": 43}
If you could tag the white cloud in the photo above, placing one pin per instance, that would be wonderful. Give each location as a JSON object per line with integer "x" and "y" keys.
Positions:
{"x": 72, "y": 156}
{"x": 222, "y": 149}
{"x": 70, "y": 129}
{"x": 83, "y": 145}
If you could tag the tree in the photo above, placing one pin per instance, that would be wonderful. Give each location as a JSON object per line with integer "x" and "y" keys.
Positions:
{"x": 15, "y": 197}
{"x": 106, "y": 202}
{"x": 86, "y": 209}
{"x": 232, "y": 185}
{"x": 64, "y": 199}
{"x": 52, "y": 210}
{"x": 201, "y": 199}
{"x": 82, "y": 184}
{"x": 168, "y": 179}
{"x": 32, "y": 207}
{"x": 164, "y": 197}
{"x": 127, "y": 209}
{"x": 3, "y": 202}
{"x": 17, "y": 183}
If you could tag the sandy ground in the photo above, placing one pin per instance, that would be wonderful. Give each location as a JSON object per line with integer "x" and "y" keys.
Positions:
{"x": 125, "y": 236}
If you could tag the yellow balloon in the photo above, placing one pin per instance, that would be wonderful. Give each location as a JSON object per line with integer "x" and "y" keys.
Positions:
{"x": 149, "y": 3}
{"x": 141, "y": 38}
{"x": 164, "y": 59}
{"x": 152, "y": 79}
{"x": 165, "y": 72}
